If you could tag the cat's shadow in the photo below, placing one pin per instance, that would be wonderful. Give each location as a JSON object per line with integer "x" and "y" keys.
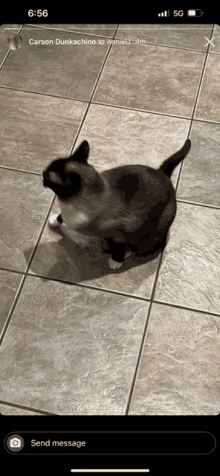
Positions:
{"x": 62, "y": 259}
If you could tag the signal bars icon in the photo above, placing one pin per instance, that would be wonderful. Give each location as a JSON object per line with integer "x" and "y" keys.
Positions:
{"x": 164, "y": 14}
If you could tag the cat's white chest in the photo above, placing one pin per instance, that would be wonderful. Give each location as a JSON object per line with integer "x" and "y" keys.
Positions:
{"x": 72, "y": 220}
{"x": 73, "y": 217}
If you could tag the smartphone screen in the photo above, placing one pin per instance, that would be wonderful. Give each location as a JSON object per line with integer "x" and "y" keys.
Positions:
{"x": 109, "y": 359}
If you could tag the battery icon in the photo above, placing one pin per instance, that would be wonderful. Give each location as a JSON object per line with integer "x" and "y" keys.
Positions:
{"x": 194, "y": 13}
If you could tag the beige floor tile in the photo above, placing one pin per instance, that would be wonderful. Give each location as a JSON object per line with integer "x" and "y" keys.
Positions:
{"x": 35, "y": 129}
{"x": 151, "y": 78}
{"x": 180, "y": 364}
{"x": 200, "y": 175}
{"x": 24, "y": 205}
{"x": 124, "y": 137}
{"x": 190, "y": 272}
{"x": 71, "y": 350}
{"x": 207, "y": 106}
{"x": 67, "y": 70}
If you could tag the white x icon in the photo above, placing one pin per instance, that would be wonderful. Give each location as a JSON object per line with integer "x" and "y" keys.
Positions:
{"x": 210, "y": 41}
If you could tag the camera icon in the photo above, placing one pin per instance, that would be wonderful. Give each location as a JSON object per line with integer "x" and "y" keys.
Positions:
{"x": 15, "y": 443}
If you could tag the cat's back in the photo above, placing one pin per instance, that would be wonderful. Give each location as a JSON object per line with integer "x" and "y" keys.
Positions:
{"x": 138, "y": 183}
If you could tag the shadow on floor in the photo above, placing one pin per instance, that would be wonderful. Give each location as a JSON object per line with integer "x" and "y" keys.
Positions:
{"x": 63, "y": 259}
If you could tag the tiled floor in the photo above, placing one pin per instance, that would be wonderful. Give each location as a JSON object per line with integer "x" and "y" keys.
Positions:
{"x": 76, "y": 337}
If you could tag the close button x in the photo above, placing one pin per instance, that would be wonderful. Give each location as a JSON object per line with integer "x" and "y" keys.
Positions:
{"x": 210, "y": 41}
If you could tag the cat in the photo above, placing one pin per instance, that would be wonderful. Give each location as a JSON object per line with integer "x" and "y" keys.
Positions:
{"x": 128, "y": 209}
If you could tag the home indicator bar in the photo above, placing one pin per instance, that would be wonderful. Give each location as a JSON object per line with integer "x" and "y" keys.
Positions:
{"x": 110, "y": 470}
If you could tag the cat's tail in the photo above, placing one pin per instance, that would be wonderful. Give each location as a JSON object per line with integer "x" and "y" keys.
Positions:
{"x": 169, "y": 164}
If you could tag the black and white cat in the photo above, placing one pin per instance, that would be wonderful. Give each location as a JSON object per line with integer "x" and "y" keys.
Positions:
{"x": 128, "y": 208}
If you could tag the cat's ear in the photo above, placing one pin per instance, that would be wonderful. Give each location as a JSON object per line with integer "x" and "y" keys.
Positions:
{"x": 82, "y": 153}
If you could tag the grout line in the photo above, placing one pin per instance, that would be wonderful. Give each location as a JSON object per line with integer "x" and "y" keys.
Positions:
{"x": 118, "y": 293}
{"x": 195, "y": 105}
{"x": 156, "y": 113}
{"x": 22, "y": 407}
{"x": 40, "y": 235}
{"x": 102, "y": 67}
{"x": 142, "y": 110}
{"x": 67, "y": 30}
{"x": 41, "y": 94}
{"x": 20, "y": 170}
{"x": 109, "y": 291}
{"x": 144, "y": 337}
{"x": 171, "y": 25}
{"x": 87, "y": 286}
{"x": 9, "y": 315}
{"x": 9, "y": 270}
{"x": 92, "y": 94}
{"x": 150, "y": 300}
{"x": 25, "y": 274}
{"x": 200, "y": 84}
{"x": 185, "y": 308}
{"x": 215, "y": 207}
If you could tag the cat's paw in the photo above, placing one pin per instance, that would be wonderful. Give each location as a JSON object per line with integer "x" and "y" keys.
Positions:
{"x": 53, "y": 222}
{"x": 114, "y": 264}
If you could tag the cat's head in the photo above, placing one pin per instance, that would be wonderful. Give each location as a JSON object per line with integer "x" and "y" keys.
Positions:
{"x": 71, "y": 176}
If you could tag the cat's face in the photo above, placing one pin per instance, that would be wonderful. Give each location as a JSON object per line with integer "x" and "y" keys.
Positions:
{"x": 65, "y": 176}
{"x": 63, "y": 182}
